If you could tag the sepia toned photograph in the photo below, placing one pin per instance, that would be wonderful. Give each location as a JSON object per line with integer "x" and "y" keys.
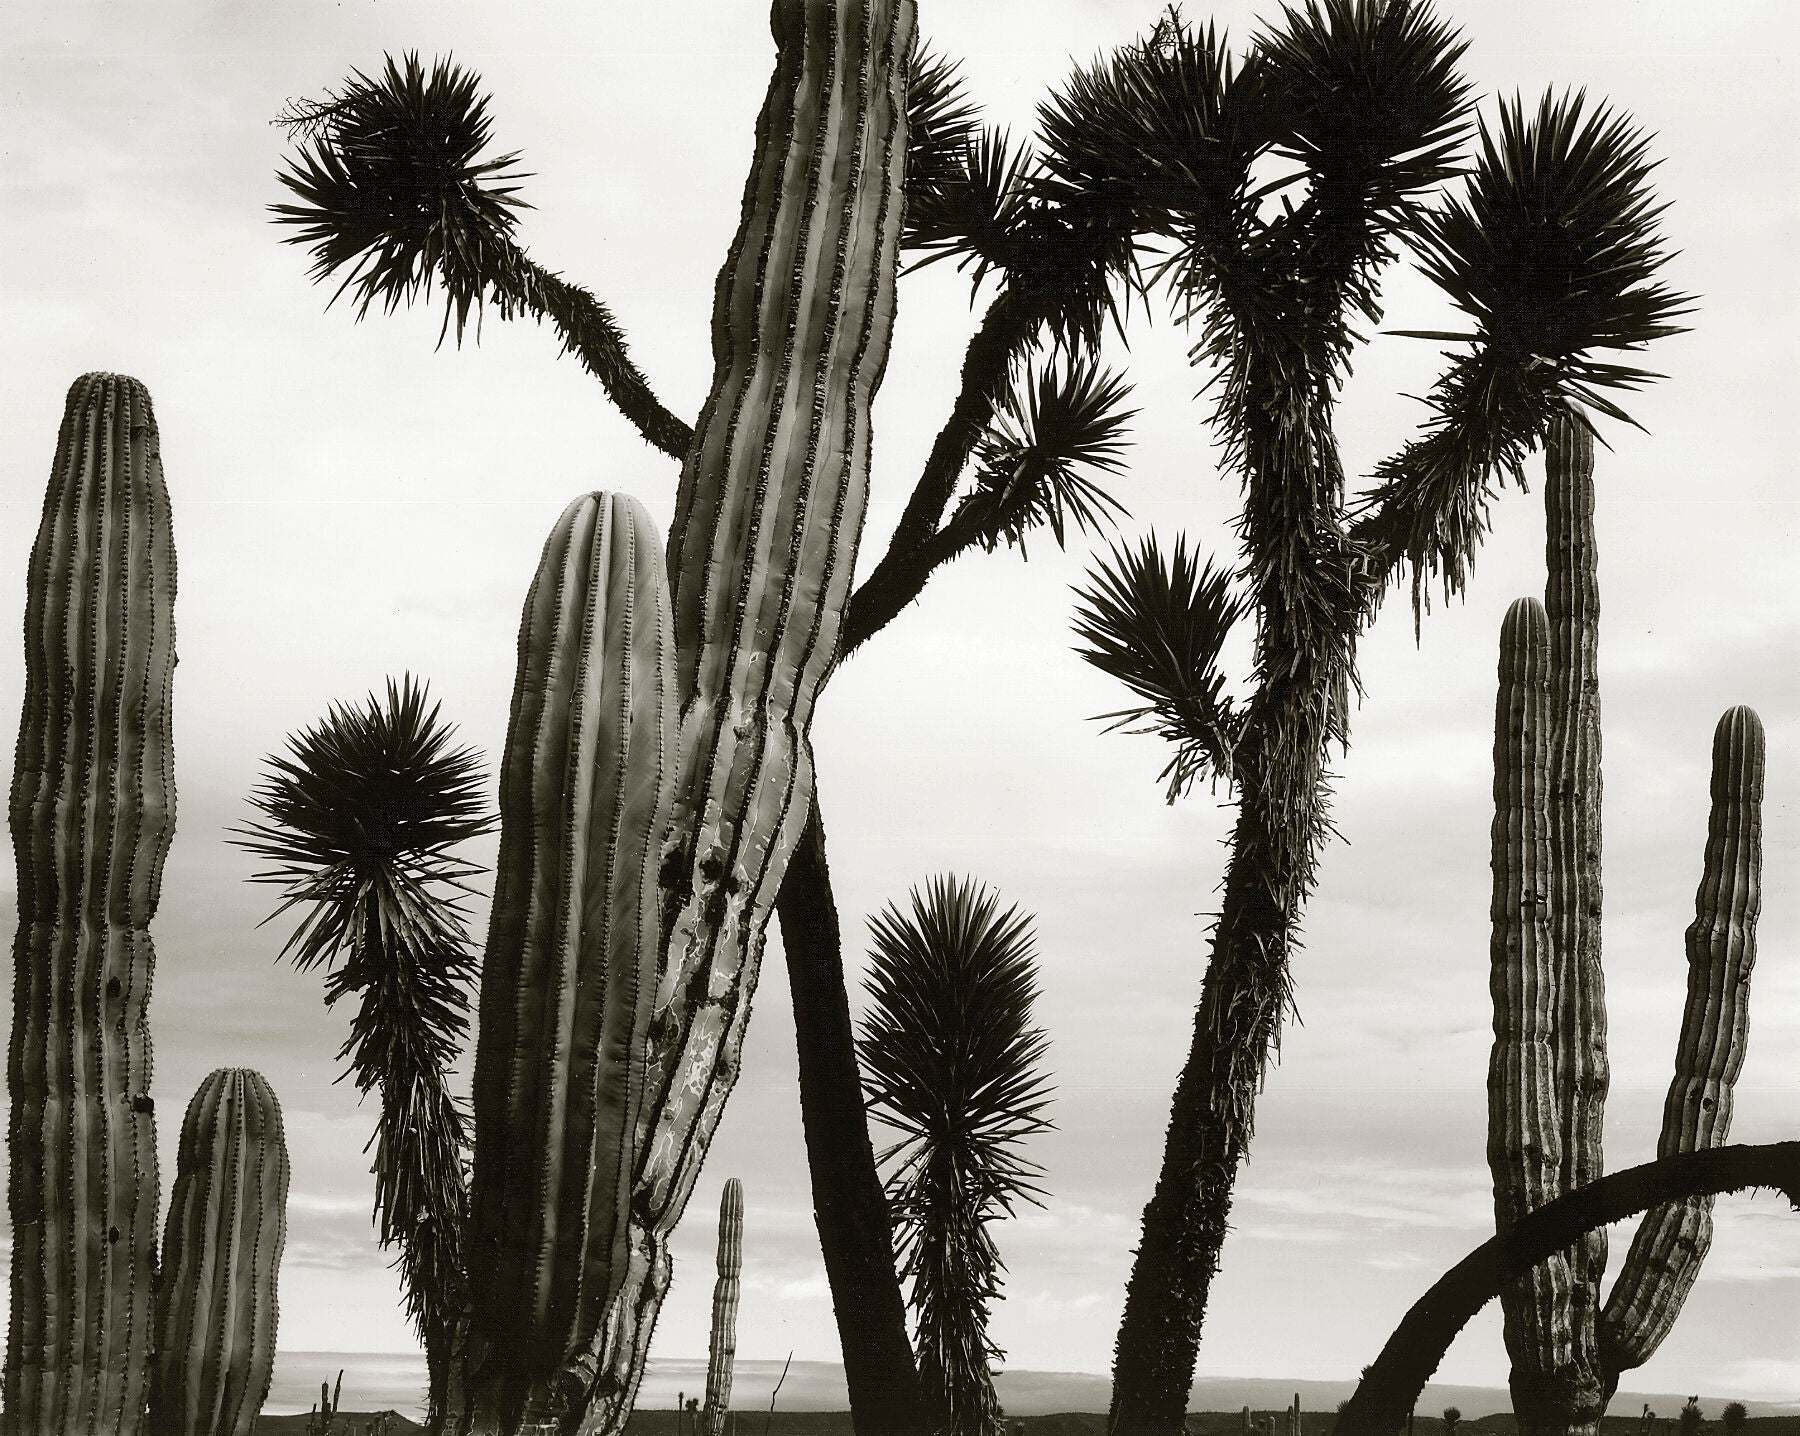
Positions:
{"x": 871, "y": 718}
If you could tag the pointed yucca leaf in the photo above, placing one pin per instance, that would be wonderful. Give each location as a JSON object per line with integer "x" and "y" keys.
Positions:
{"x": 974, "y": 211}
{"x": 942, "y": 122}
{"x": 951, "y": 1061}
{"x": 1158, "y": 623}
{"x": 1371, "y": 103}
{"x": 1554, "y": 249}
{"x": 1059, "y": 432}
{"x": 394, "y": 190}
{"x": 1167, "y": 127}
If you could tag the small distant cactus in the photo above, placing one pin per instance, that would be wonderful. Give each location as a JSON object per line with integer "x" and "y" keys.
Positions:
{"x": 722, "y": 1350}
{"x": 217, "y": 1306}
{"x": 322, "y": 1421}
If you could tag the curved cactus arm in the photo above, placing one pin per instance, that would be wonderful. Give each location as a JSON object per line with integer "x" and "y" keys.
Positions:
{"x": 722, "y": 1348}
{"x": 1392, "y": 1383}
{"x": 1572, "y": 604}
{"x": 768, "y": 516}
{"x": 569, "y": 975}
{"x": 92, "y": 812}
{"x": 1524, "y": 1099}
{"x": 1671, "y": 1242}
{"x": 218, "y": 1306}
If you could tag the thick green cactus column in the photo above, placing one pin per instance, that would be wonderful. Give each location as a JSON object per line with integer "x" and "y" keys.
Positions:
{"x": 217, "y": 1305}
{"x": 722, "y": 1350}
{"x": 93, "y": 808}
{"x": 767, "y": 519}
{"x": 1672, "y": 1240}
{"x": 1525, "y": 1122}
{"x": 569, "y": 976}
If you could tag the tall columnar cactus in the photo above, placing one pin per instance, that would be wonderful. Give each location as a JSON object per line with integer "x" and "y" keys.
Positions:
{"x": 722, "y": 1350}
{"x": 92, "y": 811}
{"x": 217, "y": 1306}
{"x": 1548, "y": 1075}
{"x": 569, "y": 977}
{"x": 768, "y": 513}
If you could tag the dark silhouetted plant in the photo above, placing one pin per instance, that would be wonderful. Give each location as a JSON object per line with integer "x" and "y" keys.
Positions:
{"x": 954, "y": 1065}
{"x": 361, "y": 818}
{"x": 1733, "y": 1417}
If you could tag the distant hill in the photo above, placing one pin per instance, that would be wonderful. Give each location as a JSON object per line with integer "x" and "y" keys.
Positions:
{"x": 376, "y": 1381}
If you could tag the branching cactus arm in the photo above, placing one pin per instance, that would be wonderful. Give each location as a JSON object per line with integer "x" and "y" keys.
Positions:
{"x": 92, "y": 812}
{"x": 569, "y": 975}
{"x": 217, "y": 1309}
{"x": 1672, "y": 1241}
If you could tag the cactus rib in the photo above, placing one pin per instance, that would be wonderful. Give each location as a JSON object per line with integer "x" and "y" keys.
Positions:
{"x": 218, "y": 1306}
{"x": 92, "y": 812}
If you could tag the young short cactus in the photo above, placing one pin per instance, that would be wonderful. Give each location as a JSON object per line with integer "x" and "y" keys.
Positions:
{"x": 569, "y": 976}
{"x": 217, "y": 1304}
{"x": 92, "y": 812}
{"x": 722, "y": 1350}
{"x": 1548, "y": 1075}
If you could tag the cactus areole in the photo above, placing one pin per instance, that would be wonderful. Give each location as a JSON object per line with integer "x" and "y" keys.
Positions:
{"x": 92, "y": 812}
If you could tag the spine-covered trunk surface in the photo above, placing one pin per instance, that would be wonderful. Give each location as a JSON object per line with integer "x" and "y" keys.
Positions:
{"x": 1574, "y": 1400}
{"x": 1524, "y": 1095}
{"x": 768, "y": 515}
{"x": 722, "y": 1349}
{"x": 217, "y": 1307}
{"x": 569, "y": 976}
{"x": 1672, "y": 1240}
{"x": 92, "y": 811}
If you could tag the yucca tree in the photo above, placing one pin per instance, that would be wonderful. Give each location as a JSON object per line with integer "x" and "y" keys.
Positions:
{"x": 953, "y": 1064}
{"x": 361, "y": 816}
{"x": 1550, "y": 252}
{"x": 395, "y": 196}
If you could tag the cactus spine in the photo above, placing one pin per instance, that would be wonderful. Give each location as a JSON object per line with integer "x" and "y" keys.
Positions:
{"x": 722, "y": 1350}
{"x": 92, "y": 811}
{"x": 565, "y": 997}
{"x": 1548, "y": 1072}
{"x": 217, "y": 1307}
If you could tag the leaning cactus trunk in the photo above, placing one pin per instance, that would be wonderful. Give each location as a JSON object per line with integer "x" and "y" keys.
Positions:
{"x": 217, "y": 1307}
{"x": 768, "y": 514}
{"x": 93, "y": 808}
{"x": 722, "y": 1349}
{"x": 569, "y": 977}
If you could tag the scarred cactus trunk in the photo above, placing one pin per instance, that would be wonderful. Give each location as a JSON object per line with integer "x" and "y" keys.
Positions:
{"x": 217, "y": 1307}
{"x": 722, "y": 1350}
{"x": 1672, "y": 1240}
{"x": 767, "y": 519}
{"x": 93, "y": 808}
{"x": 569, "y": 976}
{"x": 1524, "y": 1095}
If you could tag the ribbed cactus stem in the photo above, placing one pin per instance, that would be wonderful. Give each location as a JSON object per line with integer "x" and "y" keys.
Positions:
{"x": 722, "y": 1350}
{"x": 217, "y": 1305}
{"x": 768, "y": 515}
{"x": 568, "y": 980}
{"x": 1575, "y": 1400}
{"x": 1672, "y": 1240}
{"x": 1524, "y": 1098}
{"x": 92, "y": 811}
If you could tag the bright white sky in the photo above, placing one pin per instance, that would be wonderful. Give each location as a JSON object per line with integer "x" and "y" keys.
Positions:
{"x": 351, "y": 503}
